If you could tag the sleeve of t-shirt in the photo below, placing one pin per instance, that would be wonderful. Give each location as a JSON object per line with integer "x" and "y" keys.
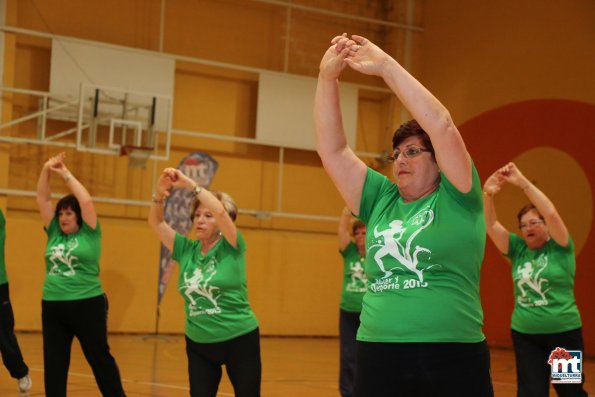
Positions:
{"x": 348, "y": 250}
{"x": 90, "y": 230}
{"x": 241, "y": 248}
{"x": 181, "y": 244}
{"x": 472, "y": 199}
{"x": 52, "y": 227}
{"x": 569, "y": 247}
{"x": 515, "y": 243}
{"x": 375, "y": 187}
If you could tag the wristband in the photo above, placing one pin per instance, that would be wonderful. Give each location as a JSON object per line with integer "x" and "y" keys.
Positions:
{"x": 68, "y": 177}
{"x": 157, "y": 200}
{"x": 197, "y": 189}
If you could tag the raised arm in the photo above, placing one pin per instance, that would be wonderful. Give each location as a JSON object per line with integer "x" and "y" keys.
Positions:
{"x": 165, "y": 232}
{"x": 496, "y": 231}
{"x": 432, "y": 116}
{"x": 78, "y": 190}
{"x": 44, "y": 194}
{"x": 544, "y": 205}
{"x": 226, "y": 225}
{"x": 346, "y": 170}
{"x": 343, "y": 230}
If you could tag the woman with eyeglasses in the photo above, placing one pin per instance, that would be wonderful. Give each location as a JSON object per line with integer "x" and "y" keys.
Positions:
{"x": 421, "y": 316}
{"x": 545, "y": 314}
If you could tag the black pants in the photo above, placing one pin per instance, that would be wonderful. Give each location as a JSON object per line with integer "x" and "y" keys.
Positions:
{"x": 423, "y": 370}
{"x": 533, "y": 372}
{"x": 9, "y": 347}
{"x": 241, "y": 357}
{"x": 87, "y": 320}
{"x": 348, "y": 325}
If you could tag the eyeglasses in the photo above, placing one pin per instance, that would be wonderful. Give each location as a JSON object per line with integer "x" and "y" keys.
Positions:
{"x": 409, "y": 153}
{"x": 531, "y": 223}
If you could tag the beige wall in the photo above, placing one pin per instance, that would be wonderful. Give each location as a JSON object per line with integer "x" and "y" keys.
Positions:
{"x": 294, "y": 269}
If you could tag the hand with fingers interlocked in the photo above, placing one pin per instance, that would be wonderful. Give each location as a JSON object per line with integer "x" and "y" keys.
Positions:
{"x": 366, "y": 57}
{"x": 333, "y": 61}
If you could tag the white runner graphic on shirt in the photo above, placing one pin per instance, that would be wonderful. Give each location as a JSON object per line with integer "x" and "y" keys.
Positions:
{"x": 391, "y": 245}
{"x": 358, "y": 278}
{"x": 528, "y": 276}
{"x": 198, "y": 284}
{"x": 62, "y": 255}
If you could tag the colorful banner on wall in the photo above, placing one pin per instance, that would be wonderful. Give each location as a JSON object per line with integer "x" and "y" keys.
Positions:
{"x": 201, "y": 168}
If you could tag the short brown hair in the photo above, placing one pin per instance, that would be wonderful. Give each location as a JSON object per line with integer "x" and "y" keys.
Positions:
{"x": 228, "y": 203}
{"x": 410, "y": 129}
{"x": 357, "y": 224}
{"x": 70, "y": 201}
{"x": 526, "y": 209}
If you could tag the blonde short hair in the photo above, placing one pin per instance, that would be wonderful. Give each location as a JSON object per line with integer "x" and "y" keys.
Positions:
{"x": 228, "y": 203}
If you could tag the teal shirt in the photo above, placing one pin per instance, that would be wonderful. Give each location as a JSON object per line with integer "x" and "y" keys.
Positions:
{"x": 72, "y": 263}
{"x": 3, "y": 276}
{"x": 423, "y": 263}
{"x": 543, "y": 287}
{"x": 214, "y": 290}
{"x": 354, "y": 279}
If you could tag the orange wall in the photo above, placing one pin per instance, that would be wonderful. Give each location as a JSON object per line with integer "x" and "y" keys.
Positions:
{"x": 518, "y": 78}
{"x": 521, "y": 63}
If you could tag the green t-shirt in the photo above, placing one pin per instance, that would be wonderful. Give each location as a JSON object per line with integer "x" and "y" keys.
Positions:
{"x": 3, "y": 277}
{"x": 423, "y": 263}
{"x": 543, "y": 287}
{"x": 214, "y": 290}
{"x": 72, "y": 263}
{"x": 354, "y": 279}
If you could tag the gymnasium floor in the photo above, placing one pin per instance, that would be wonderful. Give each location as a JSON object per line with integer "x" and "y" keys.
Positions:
{"x": 292, "y": 367}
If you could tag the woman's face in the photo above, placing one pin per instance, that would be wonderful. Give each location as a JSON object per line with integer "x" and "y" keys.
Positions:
{"x": 418, "y": 173}
{"x": 360, "y": 236}
{"x": 68, "y": 221}
{"x": 205, "y": 225}
{"x": 533, "y": 230}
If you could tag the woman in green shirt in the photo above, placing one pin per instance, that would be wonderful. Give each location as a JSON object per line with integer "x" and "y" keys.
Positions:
{"x": 545, "y": 314}
{"x": 221, "y": 328}
{"x": 353, "y": 251}
{"x": 421, "y": 316}
{"x": 73, "y": 302}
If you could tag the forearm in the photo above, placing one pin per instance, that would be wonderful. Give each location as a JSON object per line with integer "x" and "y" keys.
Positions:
{"x": 497, "y": 233}
{"x": 165, "y": 233}
{"x": 489, "y": 210}
{"x": 156, "y": 212}
{"x": 344, "y": 221}
{"x": 543, "y": 204}
{"x": 421, "y": 103}
{"x": 343, "y": 229}
{"x": 77, "y": 189}
{"x": 44, "y": 193}
{"x": 346, "y": 170}
{"x": 211, "y": 202}
{"x": 330, "y": 135}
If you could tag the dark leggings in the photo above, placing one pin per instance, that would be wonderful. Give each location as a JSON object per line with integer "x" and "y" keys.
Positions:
{"x": 85, "y": 319}
{"x": 348, "y": 325}
{"x": 423, "y": 370}
{"x": 241, "y": 357}
{"x": 9, "y": 347}
{"x": 533, "y": 372}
